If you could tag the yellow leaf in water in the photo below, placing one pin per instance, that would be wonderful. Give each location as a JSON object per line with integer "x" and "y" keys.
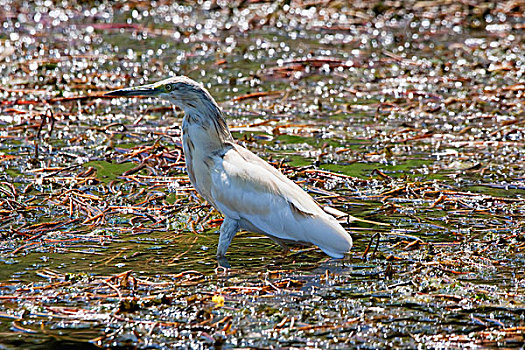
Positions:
{"x": 218, "y": 299}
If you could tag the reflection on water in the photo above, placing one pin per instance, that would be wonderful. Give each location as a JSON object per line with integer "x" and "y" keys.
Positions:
{"x": 407, "y": 113}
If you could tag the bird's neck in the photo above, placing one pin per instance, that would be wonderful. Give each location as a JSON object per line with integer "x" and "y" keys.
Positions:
{"x": 206, "y": 126}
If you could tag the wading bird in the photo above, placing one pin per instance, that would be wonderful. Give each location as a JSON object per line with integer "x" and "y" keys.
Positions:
{"x": 250, "y": 193}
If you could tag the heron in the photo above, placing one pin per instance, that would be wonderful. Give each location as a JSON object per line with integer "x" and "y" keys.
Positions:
{"x": 251, "y": 194}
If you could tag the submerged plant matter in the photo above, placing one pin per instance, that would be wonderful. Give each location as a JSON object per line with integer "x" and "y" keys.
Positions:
{"x": 407, "y": 113}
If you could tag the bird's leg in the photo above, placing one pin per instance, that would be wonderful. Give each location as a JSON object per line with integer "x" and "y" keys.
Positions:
{"x": 283, "y": 245}
{"x": 229, "y": 228}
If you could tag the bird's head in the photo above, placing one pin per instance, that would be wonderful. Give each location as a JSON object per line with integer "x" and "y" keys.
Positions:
{"x": 180, "y": 90}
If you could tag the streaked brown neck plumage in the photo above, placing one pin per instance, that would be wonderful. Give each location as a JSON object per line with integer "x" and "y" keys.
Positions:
{"x": 207, "y": 115}
{"x": 205, "y": 135}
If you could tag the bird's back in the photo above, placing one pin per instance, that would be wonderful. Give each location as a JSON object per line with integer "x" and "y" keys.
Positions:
{"x": 246, "y": 188}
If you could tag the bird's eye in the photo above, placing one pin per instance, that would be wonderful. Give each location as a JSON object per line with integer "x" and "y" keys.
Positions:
{"x": 169, "y": 87}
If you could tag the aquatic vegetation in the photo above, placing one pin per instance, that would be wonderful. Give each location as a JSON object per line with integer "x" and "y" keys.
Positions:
{"x": 407, "y": 113}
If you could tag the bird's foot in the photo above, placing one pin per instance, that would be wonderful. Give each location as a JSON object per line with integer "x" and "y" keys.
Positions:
{"x": 223, "y": 264}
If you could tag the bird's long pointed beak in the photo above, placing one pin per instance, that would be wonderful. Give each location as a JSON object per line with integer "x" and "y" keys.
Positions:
{"x": 143, "y": 90}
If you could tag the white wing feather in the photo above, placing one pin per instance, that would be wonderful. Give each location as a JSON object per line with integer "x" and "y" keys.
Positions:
{"x": 246, "y": 188}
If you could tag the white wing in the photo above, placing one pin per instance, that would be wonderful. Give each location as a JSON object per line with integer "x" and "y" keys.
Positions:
{"x": 246, "y": 188}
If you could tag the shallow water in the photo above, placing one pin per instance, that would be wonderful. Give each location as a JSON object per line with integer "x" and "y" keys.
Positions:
{"x": 410, "y": 116}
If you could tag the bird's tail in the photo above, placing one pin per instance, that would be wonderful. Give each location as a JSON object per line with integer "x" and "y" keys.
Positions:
{"x": 326, "y": 233}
